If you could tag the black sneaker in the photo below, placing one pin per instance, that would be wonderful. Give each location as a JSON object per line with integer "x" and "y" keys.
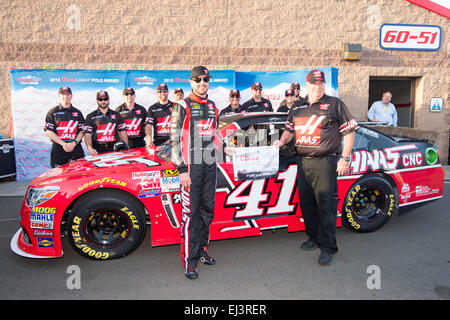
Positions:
{"x": 309, "y": 245}
{"x": 207, "y": 260}
{"x": 325, "y": 258}
{"x": 191, "y": 273}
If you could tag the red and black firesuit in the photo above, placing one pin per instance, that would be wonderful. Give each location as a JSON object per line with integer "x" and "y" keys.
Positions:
{"x": 158, "y": 116}
{"x": 104, "y": 129}
{"x": 66, "y": 123}
{"x": 135, "y": 122}
{"x": 193, "y": 128}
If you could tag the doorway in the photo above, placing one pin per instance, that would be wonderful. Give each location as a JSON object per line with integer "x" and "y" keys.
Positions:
{"x": 402, "y": 90}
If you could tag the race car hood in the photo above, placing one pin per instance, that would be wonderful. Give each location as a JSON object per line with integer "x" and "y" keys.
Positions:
{"x": 111, "y": 162}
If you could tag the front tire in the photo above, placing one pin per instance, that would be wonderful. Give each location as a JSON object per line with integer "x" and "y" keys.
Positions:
{"x": 369, "y": 204}
{"x": 106, "y": 224}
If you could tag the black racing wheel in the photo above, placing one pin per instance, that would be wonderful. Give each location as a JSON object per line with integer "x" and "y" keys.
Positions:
{"x": 369, "y": 204}
{"x": 106, "y": 224}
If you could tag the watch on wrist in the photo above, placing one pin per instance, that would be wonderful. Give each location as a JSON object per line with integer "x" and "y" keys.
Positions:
{"x": 348, "y": 159}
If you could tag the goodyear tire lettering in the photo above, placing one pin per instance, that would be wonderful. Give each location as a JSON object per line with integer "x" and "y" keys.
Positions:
{"x": 369, "y": 203}
{"x": 113, "y": 212}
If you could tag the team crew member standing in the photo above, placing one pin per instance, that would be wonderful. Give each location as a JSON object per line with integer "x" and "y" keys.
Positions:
{"x": 234, "y": 106}
{"x": 64, "y": 126}
{"x": 104, "y": 127}
{"x": 193, "y": 127}
{"x": 134, "y": 116}
{"x": 289, "y": 101}
{"x": 295, "y": 87}
{"x": 178, "y": 94}
{"x": 158, "y": 117}
{"x": 257, "y": 103}
{"x": 318, "y": 125}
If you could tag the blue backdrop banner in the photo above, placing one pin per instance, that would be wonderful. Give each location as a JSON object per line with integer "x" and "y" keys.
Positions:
{"x": 34, "y": 92}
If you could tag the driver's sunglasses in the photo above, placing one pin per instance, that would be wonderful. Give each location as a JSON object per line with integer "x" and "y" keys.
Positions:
{"x": 198, "y": 80}
{"x": 102, "y": 99}
{"x": 162, "y": 91}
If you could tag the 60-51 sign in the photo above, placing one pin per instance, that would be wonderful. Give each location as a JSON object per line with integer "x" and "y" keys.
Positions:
{"x": 410, "y": 37}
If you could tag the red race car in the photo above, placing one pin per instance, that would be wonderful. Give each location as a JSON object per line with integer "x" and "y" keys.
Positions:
{"x": 104, "y": 204}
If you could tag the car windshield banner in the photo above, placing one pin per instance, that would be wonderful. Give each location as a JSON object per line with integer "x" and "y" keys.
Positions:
{"x": 255, "y": 163}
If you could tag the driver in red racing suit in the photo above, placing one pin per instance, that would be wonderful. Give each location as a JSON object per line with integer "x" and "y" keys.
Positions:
{"x": 193, "y": 127}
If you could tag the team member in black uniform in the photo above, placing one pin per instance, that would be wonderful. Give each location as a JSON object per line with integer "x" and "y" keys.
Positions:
{"x": 234, "y": 106}
{"x": 317, "y": 126}
{"x": 295, "y": 87}
{"x": 64, "y": 126}
{"x": 289, "y": 101}
{"x": 257, "y": 103}
{"x": 178, "y": 94}
{"x": 158, "y": 117}
{"x": 104, "y": 127}
{"x": 192, "y": 130}
{"x": 134, "y": 116}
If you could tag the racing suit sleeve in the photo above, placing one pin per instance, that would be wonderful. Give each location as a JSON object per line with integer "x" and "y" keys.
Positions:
{"x": 121, "y": 125}
{"x": 88, "y": 125}
{"x": 177, "y": 119}
{"x": 346, "y": 121}
{"x": 50, "y": 122}
{"x": 289, "y": 126}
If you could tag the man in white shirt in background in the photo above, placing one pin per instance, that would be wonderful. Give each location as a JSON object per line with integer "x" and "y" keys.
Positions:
{"x": 383, "y": 111}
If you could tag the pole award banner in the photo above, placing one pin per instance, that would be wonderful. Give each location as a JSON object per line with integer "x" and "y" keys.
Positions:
{"x": 145, "y": 82}
{"x": 35, "y": 92}
{"x": 274, "y": 84}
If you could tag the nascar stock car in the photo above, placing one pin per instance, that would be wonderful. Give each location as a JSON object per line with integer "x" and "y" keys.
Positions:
{"x": 104, "y": 204}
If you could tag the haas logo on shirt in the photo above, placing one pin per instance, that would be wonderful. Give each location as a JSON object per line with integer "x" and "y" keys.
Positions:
{"x": 105, "y": 132}
{"x": 205, "y": 127}
{"x": 307, "y": 130}
{"x": 133, "y": 127}
{"x": 163, "y": 125}
{"x": 67, "y": 130}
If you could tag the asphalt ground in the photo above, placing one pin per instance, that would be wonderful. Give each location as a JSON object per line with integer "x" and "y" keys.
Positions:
{"x": 409, "y": 258}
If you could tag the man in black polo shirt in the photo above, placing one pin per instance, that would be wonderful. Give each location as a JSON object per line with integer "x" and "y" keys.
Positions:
{"x": 158, "y": 117}
{"x": 295, "y": 87}
{"x": 134, "y": 116}
{"x": 288, "y": 101}
{"x": 64, "y": 126}
{"x": 257, "y": 103}
{"x": 317, "y": 125}
{"x": 104, "y": 127}
{"x": 234, "y": 106}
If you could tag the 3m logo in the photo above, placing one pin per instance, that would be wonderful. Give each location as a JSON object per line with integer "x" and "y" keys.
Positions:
{"x": 205, "y": 127}
{"x": 105, "y": 132}
{"x": 133, "y": 127}
{"x": 163, "y": 125}
{"x": 307, "y": 130}
{"x": 67, "y": 130}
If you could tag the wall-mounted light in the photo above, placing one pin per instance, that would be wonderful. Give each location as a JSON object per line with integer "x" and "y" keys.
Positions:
{"x": 352, "y": 52}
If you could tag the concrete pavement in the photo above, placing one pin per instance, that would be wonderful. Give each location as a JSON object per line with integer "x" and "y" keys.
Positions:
{"x": 11, "y": 188}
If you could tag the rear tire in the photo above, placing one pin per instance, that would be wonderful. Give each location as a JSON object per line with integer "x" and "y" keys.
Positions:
{"x": 369, "y": 204}
{"x": 106, "y": 224}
